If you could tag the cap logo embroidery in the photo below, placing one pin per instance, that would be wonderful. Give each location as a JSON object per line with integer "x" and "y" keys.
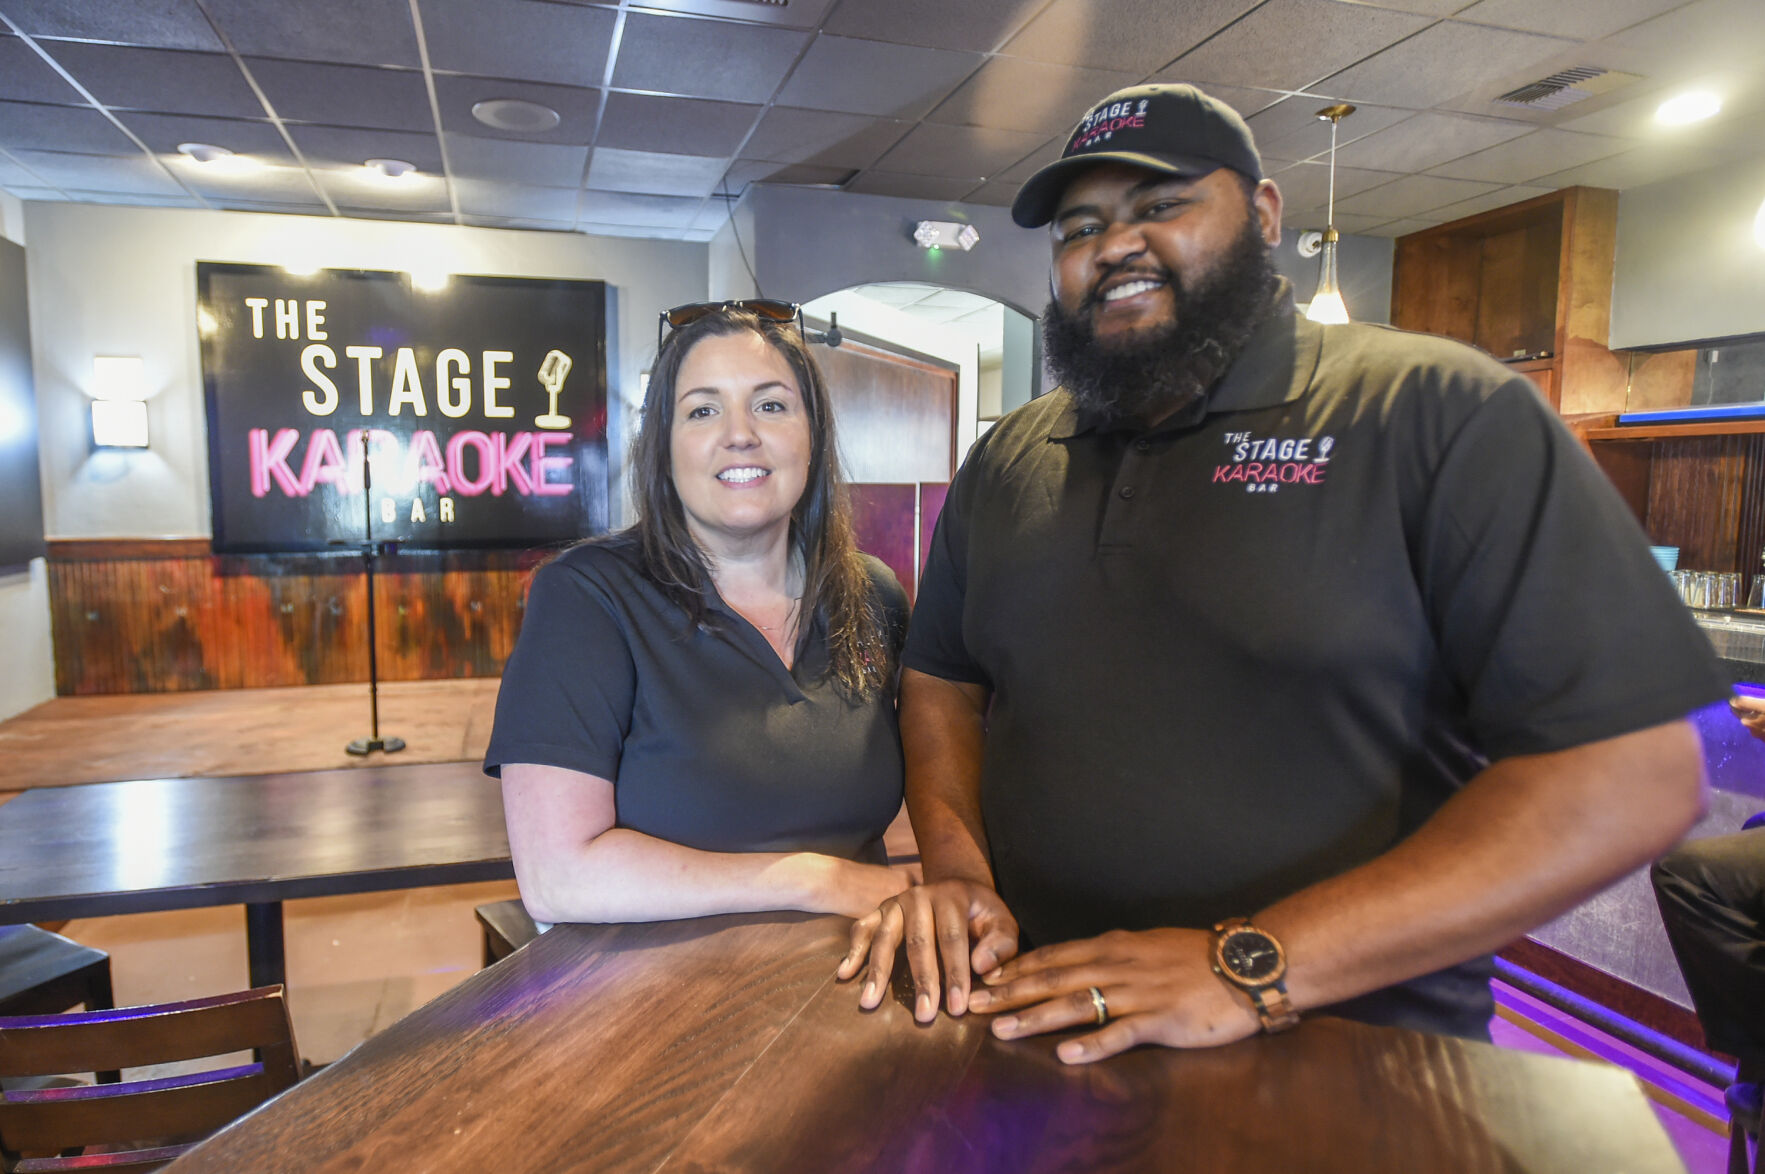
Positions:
{"x": 1103, "y": 122}
{"x": 1265, "y": 464}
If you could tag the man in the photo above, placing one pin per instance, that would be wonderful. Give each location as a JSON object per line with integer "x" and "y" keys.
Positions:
{"x": 1317, "y": 627}
{"x": 1711, "y": 893}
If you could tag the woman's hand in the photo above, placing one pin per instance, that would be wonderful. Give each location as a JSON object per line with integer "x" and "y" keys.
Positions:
{"x": 857, "y": 889}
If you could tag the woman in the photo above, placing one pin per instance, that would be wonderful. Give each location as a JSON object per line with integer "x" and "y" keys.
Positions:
{"x": 699, "y": 714}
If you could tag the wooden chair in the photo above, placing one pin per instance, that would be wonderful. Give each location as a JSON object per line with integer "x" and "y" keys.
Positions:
{"x": 506, "y": 928}
{"x": 42, "y": 973}
{"x": 171, "y": 1113}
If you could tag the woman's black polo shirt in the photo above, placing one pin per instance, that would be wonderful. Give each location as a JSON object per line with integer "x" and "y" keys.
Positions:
{"x": 709, "y": 741}
{"x": 1261, "y": 643}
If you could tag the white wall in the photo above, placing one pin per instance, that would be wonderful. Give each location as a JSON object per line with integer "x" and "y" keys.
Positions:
{"x": 29, "y": 676}
{"x": 122, "y": 281}
{"x": 1689, "y": 263}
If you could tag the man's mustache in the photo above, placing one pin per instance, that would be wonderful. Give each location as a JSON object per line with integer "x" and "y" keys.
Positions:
{"x": 1137, "y": 269}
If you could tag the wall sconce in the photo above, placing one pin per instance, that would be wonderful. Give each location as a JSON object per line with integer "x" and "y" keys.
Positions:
{"x": 119, "y": 404}
{"x": 944, "y": 234}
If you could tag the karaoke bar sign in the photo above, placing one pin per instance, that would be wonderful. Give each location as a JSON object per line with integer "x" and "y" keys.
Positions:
{"x": 475, "y": 414}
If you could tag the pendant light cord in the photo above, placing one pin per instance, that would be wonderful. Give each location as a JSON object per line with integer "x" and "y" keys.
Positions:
{"x": 1332, "y": 212}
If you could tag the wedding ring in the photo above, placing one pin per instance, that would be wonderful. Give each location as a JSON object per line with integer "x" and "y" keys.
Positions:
{"x": 1099, "y": 1006}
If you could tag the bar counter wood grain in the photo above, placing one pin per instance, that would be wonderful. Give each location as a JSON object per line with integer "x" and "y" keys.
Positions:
{"x": 723, "y": 1044}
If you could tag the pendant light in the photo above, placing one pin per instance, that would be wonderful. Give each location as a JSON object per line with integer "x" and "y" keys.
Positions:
{"x": 1326, "y": 303}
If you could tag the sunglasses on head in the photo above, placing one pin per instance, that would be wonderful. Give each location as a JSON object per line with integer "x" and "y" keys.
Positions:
{"x": 766, "y": 309}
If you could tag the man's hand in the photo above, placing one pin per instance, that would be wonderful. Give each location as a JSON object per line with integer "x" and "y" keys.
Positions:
{"x": 937, "y": 920}
{"x": 1159, "y": 985}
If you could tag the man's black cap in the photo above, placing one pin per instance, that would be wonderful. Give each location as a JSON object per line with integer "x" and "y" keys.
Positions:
{"x": 1175, "y": 129}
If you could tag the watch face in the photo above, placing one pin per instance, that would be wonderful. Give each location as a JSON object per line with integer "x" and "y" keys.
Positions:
{"x": 1251, "y": 956}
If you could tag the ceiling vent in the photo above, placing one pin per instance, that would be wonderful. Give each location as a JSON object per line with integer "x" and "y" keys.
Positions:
{"x": 1567, "y": 87}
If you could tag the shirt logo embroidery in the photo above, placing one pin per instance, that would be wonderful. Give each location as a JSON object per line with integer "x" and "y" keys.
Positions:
{"x": 1263, "y": 464}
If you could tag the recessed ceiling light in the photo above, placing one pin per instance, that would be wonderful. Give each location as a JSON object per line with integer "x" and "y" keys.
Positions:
{"x": 515, "y": 115}
{"x": 390, "y": 168}
{"x": 204, "y": 152}
{"x": 1682, "y": 109}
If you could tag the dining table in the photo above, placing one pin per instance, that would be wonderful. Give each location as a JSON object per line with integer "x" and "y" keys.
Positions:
{"x": 726, "y": 1044}
{"x": 142, "y": 845}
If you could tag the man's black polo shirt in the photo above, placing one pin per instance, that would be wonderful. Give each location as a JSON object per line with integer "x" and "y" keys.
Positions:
{"x": 1261, "y": 643}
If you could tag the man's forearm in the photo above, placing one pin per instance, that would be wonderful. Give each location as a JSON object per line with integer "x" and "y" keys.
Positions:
{"x": 943, "y": 738}
{"x": 1525, "y": 840}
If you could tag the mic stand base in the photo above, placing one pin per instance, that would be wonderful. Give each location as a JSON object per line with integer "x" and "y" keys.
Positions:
{"x": 364, "y": 746}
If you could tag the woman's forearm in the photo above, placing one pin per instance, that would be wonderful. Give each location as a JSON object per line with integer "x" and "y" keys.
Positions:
{"x": 624, "y": 875}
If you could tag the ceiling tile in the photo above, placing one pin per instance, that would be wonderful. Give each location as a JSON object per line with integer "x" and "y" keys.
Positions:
{"x": 136, "y": 199}
{"x": 636, "y": 231}
{"x": 162, "y": 24}
{"x": 1135, "y": 36}
{"x": 519, "y": 223}
{"x": 1292, "y": 129}
{"x": 26, "y": 77}
{"x": 361, "y": 32}
{"x": 170, "y": 81}
{"x": 822, "y": 137}
{"x": 344, "y": 95}
{"x": 1288, "y": 44}
{"x": 653, "y": 173}
{"x": 1411, "y": 196}
{"x": 984, "y": 26}
{"x": 622, "y": 208}
{"x": 1245, "y": 100}
{"x": 871, "y": 77}
{"x": 1539, "y": 153}
{"x": 1582, "y": 21}
{"x": 1426, "y": 7}
{"x": 686, "y": 126}
{"x": 575, "y": 105}
{"x": 11, "y": 173}
{"x": 100, "y": 173}
{"x": 1047, "y": 153}
{"x": 61, "y": 128}
{"x": 1635, "y": 118}
{"x": 1397, "y": 228}
{"x": 1438, "y": 63}
{"x": 489, "y": 198}
{"x": 1487, "y": 202}
{"x": 911, "y": 187}
{"x": 1347, "y": 223}
{"x": 274, "y": 185}
{"x": 1306, "y": 185}
{"x": 998, "y": 193}
{"x": 359, "y": 189}
{"x": 541, "y": 164}
{"x": 29, "y": 192}
{"x": 959, "y": 151}
{"x": 562, "y": 43}
{"x": 336, "y": 146}
{"x": 805, "y": 14}
{"x": 163, "y": 132}
{"x": 1016, "y": 94}
{"x": 1643, "y": 165}
{"x": 704, "y": 58}
{"x": 1704, "y": 36}
{"x": 746, "y": 171}
{"x": 1425, "y": 140}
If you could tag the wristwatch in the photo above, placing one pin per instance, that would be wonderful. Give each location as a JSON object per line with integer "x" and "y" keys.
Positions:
{"x": 1254, "y": 962}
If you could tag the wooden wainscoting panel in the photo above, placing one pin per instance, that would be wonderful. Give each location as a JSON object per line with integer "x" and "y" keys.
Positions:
{"x": 1697, "y": 489}
{"x": 137, "y": 624}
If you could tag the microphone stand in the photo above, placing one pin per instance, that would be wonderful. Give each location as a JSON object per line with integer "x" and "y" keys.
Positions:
{"x": 372, "y": 550}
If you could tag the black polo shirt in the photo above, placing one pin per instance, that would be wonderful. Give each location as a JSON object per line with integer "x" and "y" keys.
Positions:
{"x": 1258, "y": 645}
{"x": 709, "y": 741}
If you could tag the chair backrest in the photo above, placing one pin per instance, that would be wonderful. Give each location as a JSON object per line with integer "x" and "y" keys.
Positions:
{"x": 161, "y": 1117}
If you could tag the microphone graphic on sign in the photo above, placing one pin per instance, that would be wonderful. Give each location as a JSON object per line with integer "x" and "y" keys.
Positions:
{"x": 552, "y": 373}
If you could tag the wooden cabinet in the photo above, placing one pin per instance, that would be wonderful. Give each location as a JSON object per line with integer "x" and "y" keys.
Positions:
{"x": 1531, "y": 284}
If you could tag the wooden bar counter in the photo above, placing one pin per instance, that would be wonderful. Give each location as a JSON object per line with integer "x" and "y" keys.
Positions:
{"x": 724, "y": 1044}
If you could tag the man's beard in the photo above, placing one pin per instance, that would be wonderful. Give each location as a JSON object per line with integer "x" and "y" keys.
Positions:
{"x": 1150, "y": 375}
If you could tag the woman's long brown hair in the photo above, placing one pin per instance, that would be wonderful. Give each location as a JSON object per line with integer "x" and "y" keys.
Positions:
{"x": 836, "y": 587}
